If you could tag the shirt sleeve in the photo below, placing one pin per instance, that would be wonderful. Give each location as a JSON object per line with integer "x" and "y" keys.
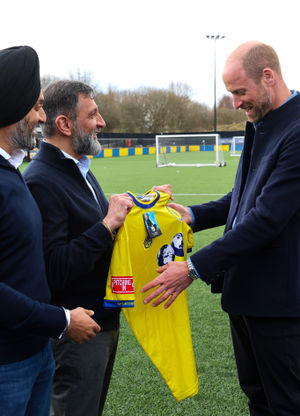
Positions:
{"x": 21, "y": 313}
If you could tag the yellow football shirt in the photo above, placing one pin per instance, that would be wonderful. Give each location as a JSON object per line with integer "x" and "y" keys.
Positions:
{"x": 164, "y": 334}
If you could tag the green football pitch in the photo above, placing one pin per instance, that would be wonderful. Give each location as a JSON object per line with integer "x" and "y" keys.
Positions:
{"x": 136, "y": 387}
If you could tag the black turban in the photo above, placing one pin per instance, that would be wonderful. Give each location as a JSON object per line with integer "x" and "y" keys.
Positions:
{"x": 20, "y": 84}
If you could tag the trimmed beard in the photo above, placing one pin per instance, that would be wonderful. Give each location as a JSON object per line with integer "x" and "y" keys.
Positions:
{"x": 23, "y": 137}
{"x": 262, "y": 107}
{"x": 84, "y": 143}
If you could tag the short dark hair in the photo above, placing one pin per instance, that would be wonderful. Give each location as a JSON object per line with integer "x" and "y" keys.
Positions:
{"x": 61, "y": 97}
{"x": 259, "y": 57}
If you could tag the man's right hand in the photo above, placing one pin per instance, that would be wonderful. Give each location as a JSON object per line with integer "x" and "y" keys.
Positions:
{"x": 184, "y": 211}
{"x": 119, "y": 206}
{"x": 82, "y": 327}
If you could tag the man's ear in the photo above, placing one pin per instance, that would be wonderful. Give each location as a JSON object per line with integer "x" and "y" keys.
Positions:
{"x": 268, "y": 76}
{"x": 64, "y": 125}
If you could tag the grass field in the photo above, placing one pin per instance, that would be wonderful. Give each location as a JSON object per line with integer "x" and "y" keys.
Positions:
{"x": 137, "y": 388}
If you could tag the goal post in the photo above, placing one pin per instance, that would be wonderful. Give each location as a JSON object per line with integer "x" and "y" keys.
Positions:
{"x": 237, "y": 145}
{"x": 189, "y": 150}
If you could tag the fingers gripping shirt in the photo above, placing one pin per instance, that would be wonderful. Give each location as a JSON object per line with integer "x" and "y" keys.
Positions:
{"x": 164, "y": 334}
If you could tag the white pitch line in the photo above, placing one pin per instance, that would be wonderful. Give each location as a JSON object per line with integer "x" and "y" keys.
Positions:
{"x": 181, "y": 194}
{"x": 198, "y": 194}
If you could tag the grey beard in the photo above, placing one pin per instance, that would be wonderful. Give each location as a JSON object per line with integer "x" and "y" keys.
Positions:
{"x": 84, "y": 143}
{"x": 22, "y": 138}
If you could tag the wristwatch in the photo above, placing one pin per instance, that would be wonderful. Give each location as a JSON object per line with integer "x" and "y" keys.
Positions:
{"x": 192, "y": 272}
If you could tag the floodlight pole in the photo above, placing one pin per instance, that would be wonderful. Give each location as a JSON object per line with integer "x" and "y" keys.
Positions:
{"x": 215, "y": 38}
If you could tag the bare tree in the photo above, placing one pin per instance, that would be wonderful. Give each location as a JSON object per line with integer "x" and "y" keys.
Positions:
{"x": 228, "y": 117}
{"x": 110, "y": 109}
{"x": 225, "y": 102}
{"x": 47, "y": 79}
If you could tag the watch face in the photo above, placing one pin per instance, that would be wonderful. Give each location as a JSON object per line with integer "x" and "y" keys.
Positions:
{"x": 193, "y": 274}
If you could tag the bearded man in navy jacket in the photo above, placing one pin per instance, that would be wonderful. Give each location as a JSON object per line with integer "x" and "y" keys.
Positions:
{"x": 256, "y": 264}
{"x": 79, "y": 228}
{"x": 26, "y": 319}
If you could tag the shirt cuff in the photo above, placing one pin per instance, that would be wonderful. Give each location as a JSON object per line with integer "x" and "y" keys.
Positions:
{"x": 68, "y": 319}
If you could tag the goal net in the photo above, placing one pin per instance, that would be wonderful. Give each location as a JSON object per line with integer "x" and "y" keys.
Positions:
{"x": 189, "y": 150}
{"x": 237, "y": 145}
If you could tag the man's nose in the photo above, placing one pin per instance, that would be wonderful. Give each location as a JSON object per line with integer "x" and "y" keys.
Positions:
{"x": 237, "y": 102}
{"x": 100, "y": 122}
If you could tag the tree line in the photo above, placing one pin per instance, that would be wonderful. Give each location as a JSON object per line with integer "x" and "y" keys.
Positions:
{"x": 152, "y": 110}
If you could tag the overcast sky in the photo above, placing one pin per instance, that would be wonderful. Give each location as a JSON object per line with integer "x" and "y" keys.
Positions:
{"x": 127, "y": 44}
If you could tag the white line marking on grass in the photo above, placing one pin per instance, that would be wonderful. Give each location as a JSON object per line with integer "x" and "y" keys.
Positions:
{"x": 107, "y": 193}
{"x": 198, "y": 194}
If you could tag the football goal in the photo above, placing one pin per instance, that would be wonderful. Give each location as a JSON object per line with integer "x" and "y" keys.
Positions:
{"x": 237, "y": 145}
{"x": 189, "y": 150}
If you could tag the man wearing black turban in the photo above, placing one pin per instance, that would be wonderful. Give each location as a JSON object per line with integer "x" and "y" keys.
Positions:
{"x": 26, "y": 319}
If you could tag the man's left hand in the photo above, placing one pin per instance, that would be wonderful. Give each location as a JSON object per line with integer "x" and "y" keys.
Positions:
{"x": 174, "y": 278}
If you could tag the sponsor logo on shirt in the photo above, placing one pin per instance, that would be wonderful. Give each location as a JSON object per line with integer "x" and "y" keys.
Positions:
{"x": 122, "y": 284}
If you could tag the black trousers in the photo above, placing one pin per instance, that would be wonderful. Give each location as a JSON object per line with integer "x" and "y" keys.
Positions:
{"x": 82, "y": 374}
{"x": 267, "y": 352}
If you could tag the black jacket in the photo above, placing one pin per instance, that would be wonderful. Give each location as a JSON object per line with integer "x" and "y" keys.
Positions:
{"x": 77, "y": 246}
{"x": 26, "y": 318}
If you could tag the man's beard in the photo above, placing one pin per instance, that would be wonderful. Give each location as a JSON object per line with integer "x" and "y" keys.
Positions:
{"x": 262, "y": 106}
{"x": 84, "y": 143}
{"x": 23, "y": 137}
{"x": 260, "y": 110}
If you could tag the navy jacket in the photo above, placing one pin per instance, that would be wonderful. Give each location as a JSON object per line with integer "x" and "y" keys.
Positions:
{"x": 77, "y": 246}
{"x": 26, "y": 321}
{"x": 256, "y": 264}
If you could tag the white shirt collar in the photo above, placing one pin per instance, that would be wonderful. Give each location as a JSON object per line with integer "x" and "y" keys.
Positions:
{"x": 83, "y": 163}
{"x": 15, "y": 159}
